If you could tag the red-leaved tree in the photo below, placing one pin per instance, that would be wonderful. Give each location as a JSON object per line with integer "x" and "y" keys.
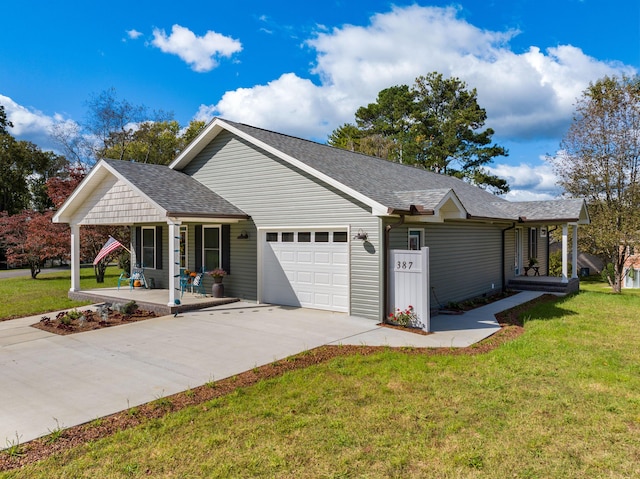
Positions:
{"x": 30, "y": 238}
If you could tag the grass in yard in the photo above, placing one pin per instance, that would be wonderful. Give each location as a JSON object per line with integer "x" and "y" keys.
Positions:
{"x": 561, "y": 400}
{"x": 25, "y": 296}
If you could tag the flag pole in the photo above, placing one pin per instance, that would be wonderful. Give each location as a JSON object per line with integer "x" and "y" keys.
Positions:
{"x": 128, "y": 251}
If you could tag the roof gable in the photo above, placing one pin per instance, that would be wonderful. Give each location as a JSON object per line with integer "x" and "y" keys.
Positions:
{"x": 170, "y": 193}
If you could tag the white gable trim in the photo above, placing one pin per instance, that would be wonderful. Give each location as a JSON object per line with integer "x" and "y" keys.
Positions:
{"x": 217, "y": 125}
{"x": 68, "y": 209}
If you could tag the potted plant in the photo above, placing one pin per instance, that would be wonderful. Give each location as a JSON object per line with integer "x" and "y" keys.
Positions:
{"x": 218, "y": 288}
{"x": 217, "y": 275}
{"x": 532, "y": 265}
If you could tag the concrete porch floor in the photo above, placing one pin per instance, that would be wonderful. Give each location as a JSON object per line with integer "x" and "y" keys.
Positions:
{"x": 155, "y": 300}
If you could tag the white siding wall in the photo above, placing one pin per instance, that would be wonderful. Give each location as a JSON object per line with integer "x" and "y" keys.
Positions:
{"x": 276, "y": 195}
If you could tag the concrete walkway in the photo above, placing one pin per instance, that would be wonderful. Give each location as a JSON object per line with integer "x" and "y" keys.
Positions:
{"x": 49, "y": 381}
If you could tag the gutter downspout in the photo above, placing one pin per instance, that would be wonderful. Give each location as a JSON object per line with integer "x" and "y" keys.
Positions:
{"x": 387, "y": 231}
{"x": 504, "y": 275}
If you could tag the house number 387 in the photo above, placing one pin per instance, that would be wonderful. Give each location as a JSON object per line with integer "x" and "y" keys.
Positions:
{"x": 404, "y": 264}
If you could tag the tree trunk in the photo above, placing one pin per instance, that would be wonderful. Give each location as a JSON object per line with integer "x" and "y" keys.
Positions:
{"x": 35, "y": 268}
{"x": 99, "y": 270}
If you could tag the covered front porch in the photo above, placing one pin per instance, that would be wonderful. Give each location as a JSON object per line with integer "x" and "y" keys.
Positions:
{"x": 150, "y": 299}
{"x": 176, "y": 223}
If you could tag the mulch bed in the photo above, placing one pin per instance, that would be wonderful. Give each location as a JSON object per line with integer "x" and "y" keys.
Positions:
{"x": 89, "y": 321}
{"x": 44, "y": 447}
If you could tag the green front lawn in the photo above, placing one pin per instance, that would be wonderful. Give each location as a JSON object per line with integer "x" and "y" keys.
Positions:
{"x": 560, "y": 401}
{"x": 25, "y": 296}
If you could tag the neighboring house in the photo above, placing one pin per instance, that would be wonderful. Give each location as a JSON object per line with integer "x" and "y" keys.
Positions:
{"x": 288, "y": 218}
{"x": 632, "y": 269}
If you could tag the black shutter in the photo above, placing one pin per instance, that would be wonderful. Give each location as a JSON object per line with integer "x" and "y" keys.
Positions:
{"x": 138, "y": 247}
{"x": 225, "y": 247}
{"x": 198, "y": 233}
{"x": 159, "y": 247}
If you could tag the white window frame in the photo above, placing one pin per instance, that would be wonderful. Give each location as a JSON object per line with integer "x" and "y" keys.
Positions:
{"x": 143, "y": 247}
{"x": 412, "y": 233}
{"x": 204, "y": 248}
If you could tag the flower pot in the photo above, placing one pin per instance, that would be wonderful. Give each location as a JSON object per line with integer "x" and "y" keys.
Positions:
{"x": 217, "y": 279}
{"x": 217, "y": 291}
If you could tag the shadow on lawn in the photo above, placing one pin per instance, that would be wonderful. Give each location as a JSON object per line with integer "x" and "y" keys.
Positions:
{"x": 545, "y": 307}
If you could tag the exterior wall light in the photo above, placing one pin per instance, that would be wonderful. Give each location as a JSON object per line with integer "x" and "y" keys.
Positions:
{"x": 361, "y": 235}
{"x": 243, "y": 235}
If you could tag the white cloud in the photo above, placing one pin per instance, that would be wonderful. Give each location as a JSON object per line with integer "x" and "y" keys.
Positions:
{"x": 31, "y": 124}
{"x": 528, "y": 182}
{"x": 526, "y": 95}
{"x": 200, "y": 53}
{"x": 133, "y": 34}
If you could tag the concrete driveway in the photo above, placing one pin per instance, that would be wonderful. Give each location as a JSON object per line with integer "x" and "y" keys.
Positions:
{"x": 49, "y": 381}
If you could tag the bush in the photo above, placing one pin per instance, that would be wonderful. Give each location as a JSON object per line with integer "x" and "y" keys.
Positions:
{"x": 555, "y": 265}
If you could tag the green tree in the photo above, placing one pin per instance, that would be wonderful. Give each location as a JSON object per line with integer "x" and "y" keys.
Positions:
{"x": 118, "y": 129}
{"x": 4, "y": 122}
{"x": 599, "y": 160}
{"x": 436, "y": 124}
{"x": 25, "y": 169}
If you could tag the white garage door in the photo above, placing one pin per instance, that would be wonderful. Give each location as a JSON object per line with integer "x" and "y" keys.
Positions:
{"x": 306, "y": 268}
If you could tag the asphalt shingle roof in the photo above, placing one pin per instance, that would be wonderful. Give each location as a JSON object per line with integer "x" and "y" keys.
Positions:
{"x": 174, "y": 191}
{"x": 399, "y": 186}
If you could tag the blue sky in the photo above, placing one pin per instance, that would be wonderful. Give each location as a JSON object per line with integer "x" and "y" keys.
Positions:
{"x": 303, "y": 68}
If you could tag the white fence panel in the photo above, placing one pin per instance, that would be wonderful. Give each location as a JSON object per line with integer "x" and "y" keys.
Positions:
{"x": 409, "y": 278}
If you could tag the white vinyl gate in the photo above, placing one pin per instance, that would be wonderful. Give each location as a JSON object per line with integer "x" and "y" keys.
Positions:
{"x": 409, "y": 282}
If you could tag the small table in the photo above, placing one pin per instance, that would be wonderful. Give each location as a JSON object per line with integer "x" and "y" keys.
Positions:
{"x": 536, "y": 270}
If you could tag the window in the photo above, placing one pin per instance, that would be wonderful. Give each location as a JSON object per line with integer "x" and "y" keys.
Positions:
{"x": 340, "y": 237}
{"x": 415, "y": 239}
{"x": 287, "y": 237}
{"x": 272, "y": 237}
{"x": 304, "y": 237}
{"x": 211, "y": 247}
{"x": 148, "y": 247}
{"x": 322, "y": 237}
{"x": 183, "y": 247}
{"x": 533, "y": 243}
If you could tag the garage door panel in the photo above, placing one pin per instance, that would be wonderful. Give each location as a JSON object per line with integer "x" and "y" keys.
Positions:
{"x": 338, "y": 258}
{"x": 304, "y": 257}
{"x": 322, "y": 257}
{"x": 340, "y": 280}
{"x": 287, "y": 256}
{"x": 311, "y": 275}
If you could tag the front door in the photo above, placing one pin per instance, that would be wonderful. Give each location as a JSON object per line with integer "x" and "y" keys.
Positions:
{"x": 517, "y": 260}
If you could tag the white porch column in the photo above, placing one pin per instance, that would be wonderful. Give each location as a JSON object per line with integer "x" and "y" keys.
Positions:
{"x": 174, "y": 260}
{"x": 75, "y": 257}
{"x": 565, "y": 252}
{"x": 574, "y": 252}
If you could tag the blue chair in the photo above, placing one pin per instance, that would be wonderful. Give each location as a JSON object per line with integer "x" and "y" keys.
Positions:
{"x": 197, "y": 284}
{"x": 137, "y": 274}
{"x": 185, "y": 281}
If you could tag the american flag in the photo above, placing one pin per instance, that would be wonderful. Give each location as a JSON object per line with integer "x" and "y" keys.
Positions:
{"x": 112, "y": 244}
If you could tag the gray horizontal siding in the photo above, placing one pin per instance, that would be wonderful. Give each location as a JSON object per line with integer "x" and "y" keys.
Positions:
{"x": 275, "y": 195}
{"x": 465, "y": 260}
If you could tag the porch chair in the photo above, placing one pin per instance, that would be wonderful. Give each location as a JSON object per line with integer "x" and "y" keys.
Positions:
{"x": 137, "y": 274}
{"x": 185, "y": 281}
{"x": 197, "y": 284}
